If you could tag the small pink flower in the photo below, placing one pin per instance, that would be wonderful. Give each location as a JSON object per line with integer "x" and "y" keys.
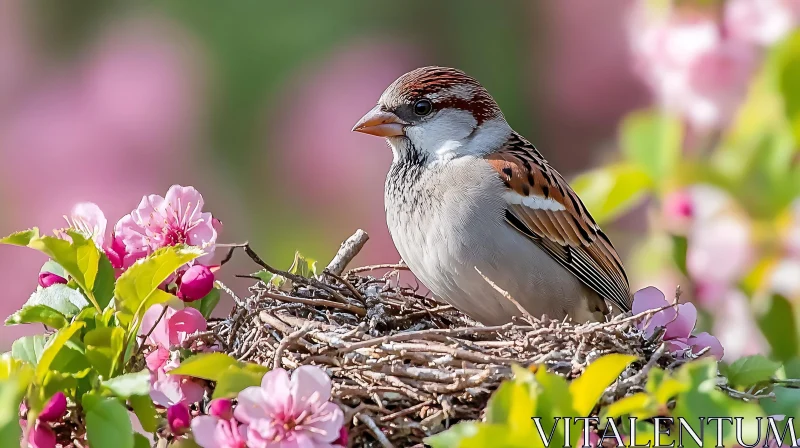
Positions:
{"x": 678, "y": 323}
{"x": 179, "y": 418}
{"x": 157, "y": 222}
{"x": 295, "y": 412}
{"x": 42, "y": 436}
{"x": 90, "y": 221}
{"x": 49, "y": 279}
{"x": 210, "y": 431}
{"x": 222, "y": 408}
{"x": 692, "y": 68}
{"x": 55, "y": 408}
{"x": 764, "y": 22}
{"x": 173, "y": 328}
{"x": 167, "y": 390}
{"x": 195, "y": 283}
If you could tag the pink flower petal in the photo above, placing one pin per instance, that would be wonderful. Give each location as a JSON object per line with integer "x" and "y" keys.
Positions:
{"x": 184, "y": 323}
{"x": 683, "y": 324}
{"x": 157, "y": 359}
{"x": 251, "y": 406}
{"x": 159, "y": 335}
{"x": 649, "y": 298}
{"x": 87, "y": 218}
{"x": 704, "y": 340}
{"x": 309, "y": 383}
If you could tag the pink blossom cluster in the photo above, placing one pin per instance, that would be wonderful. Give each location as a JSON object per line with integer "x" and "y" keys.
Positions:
{"x": 677, "y": 322}
{"x": 157, "y": 222}
{"x": 698, "y": 63}
{"x": 165, "y": 329}
{"x": 281, "y": 413}
{"x": 42, "y": 435}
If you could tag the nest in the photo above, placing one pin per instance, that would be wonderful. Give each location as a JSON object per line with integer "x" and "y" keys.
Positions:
{"x": 403, "y": 365}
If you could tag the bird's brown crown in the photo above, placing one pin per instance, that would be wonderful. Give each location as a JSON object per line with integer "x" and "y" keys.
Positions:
{"x": 446, "y": 88}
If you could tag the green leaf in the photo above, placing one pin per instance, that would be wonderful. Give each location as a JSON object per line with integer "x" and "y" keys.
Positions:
{"x": 236, "y": 378}
{"x": 54, "y": 346}
{"x": 129, "y": 384}
{"x": 555, "y": 400}
{"x": 61, "y": 298}
{"x": 639, "y": 405}
{"x": 104, "y": 349}
{"x": 71, "y": 361}
{"x": 663, "y": 386}
{"x": 589, "y": 387}
{"x": 207, "y": 304}
{"x": 22, "y": 238}
{"x": 37, "y": 314}
{"x": 12, "y": 390}
{"x": 140, "y": 441}
{"x": 108, "y": 424}
{"x": 28, "y": 349}
{"x": 653, "y": 142}
{"x": 680, "y": 247}
{"x": 789, "y": 73}
{"x": 610, "y": 191}
{"x": 145, "y": 411}
{"x": 703, "y": 399}
{"x": 80, "y": 258}
{"x": 137, "y": 289}
{"x": 208, "y": 366}
{"x": 751, "y": 370}
{"x": 780, "y": 328}
{"x": 303, "y": 266}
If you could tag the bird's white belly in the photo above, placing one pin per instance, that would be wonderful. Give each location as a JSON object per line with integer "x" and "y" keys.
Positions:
{"x": 447, "y": 240}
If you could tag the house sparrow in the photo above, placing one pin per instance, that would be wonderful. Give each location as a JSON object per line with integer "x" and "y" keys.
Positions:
{"x": 470, "y": 200}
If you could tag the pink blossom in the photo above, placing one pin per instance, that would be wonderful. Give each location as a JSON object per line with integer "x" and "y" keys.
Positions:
{"x": 89, "y": 221}
{"x": 210, "y": 431}
{"x": 42, "y": 436}
{"x": 179, "y": 418}
{"x": 195, "y": 283}
{"x": 157, "y": 222}
{"x": 691, "y": 67}
{"x": 167, "y": 390}
{"x": 294, "y": 412}
{"x": 677, "y": 322}
{"x": 221, "y": 407}
{"x": 764, "y": 22}
{"x": 173, "y": 328}
{"x": 594, "y": 440}
{"x": 49, "y": 279}
{"x": 55, "y": 408}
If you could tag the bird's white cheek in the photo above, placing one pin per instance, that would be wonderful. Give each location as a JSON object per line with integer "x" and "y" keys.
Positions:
{"x": 442, "y": 135}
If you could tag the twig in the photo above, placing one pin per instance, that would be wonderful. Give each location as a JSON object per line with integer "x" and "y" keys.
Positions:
{"x": 348, "y": 250}
{"x": 346, "y": 283}
{"x": 288, "y": 340}
{"x": 150, "y": 331}
{"x": 317, "y": 302}
{"x": 375, "y": 267}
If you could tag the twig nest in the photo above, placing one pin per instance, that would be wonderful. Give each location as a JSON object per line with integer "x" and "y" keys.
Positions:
{"x": 405, "y": 366}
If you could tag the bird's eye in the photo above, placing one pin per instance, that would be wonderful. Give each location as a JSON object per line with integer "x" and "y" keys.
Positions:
{"x": 423, "y": 107}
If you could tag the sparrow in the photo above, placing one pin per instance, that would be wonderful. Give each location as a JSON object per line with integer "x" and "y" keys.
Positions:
{"x": 479, "y": 216}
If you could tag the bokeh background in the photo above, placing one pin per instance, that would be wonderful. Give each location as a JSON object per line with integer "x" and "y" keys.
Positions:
{"x": 252, "y": 103}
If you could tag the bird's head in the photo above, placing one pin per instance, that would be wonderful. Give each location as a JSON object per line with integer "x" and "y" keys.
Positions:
{"x": 436, "y": 113}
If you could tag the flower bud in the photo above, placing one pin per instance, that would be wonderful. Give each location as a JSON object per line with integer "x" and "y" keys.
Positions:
{"x": 55, "y": 408}
{"x": 222, "y": 408}
{"x": 48, "y": 279}
{"x": 195, "y": 283}
{"x": 178, "y": 418}
{"x": 344, "y": 437}
{"x": 42, "y": 436}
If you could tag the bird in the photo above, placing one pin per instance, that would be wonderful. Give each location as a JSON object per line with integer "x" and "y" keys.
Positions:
{"x": 477, "y": 213}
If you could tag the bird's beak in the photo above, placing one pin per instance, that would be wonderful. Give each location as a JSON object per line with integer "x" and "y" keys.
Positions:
{"x": 381, "y": 123}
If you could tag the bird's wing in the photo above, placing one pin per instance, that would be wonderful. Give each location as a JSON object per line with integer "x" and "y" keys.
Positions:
{"x": 543, "y": 207}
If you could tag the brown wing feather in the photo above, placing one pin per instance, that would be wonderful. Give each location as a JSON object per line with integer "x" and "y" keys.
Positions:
{"x": 570, "y": 236}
